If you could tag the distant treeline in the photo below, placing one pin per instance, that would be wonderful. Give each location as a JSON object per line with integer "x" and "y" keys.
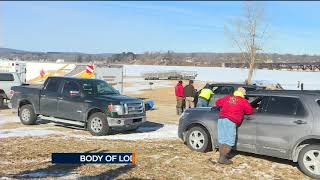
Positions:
{"x": 151, "y": 58}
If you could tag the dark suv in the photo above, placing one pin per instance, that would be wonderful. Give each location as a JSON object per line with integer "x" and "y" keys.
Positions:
{"x": 285, "y": 124}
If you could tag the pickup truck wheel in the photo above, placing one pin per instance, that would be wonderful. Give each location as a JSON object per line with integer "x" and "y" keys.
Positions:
{"x": 198, "y": 139}
{"x": 27, "y": 115}
{"x": 309, "y": 161}
{"x": 98, "y": 124}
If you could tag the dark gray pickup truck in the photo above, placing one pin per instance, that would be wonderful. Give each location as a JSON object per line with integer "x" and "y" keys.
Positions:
{"x": 90, "y": 103}
{"x": 285, "y": 124}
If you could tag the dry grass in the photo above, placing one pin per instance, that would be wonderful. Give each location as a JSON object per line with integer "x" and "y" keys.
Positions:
{"x": 155, "y": 160}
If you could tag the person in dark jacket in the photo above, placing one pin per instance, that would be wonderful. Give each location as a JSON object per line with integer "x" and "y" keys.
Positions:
{"x": 179, "y": 97}
{"x": 189, "y": 92}
{"x": 233, "y": 107}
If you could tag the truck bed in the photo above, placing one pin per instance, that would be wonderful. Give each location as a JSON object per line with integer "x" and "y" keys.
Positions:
{"x": 26, "y": 92}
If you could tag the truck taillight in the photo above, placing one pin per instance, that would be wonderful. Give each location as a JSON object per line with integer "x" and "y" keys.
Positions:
{"x": 110, "y": 108}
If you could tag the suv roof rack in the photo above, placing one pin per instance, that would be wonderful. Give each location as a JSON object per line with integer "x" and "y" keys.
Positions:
{"x": 311, "y": 92}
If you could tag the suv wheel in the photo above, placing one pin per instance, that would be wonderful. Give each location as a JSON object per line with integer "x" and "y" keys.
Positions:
{"x": 98, "y": 124}
{"x": 198, "y": 139}
{"x": 27, "y": 115}
{"x": 309, "y": 161}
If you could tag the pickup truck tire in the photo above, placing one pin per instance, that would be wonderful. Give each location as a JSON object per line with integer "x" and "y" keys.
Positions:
{"x": 309, "y": 160}
{"x": 98, "y": 124}
{"x": 27, "y": 115}
{"x": 198, "y": 139}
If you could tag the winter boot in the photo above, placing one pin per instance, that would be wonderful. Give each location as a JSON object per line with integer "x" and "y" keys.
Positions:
{"x": 179, "y": 111}
{"x": 231, "y": 154}
{"x": 224, "y": 150}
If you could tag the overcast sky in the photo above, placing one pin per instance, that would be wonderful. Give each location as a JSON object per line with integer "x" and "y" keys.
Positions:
{"x": 112, "y": 27}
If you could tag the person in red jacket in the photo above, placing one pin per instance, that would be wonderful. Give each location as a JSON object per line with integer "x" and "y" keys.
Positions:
{"x": 233, "y": 108}
{"x": 179, "y": 97}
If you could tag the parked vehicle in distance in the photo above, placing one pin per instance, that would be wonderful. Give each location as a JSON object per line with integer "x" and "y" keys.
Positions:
{"x": 7, "y": 80}
{"x": 223, "y": 89}
{"x": 285, "y": 124}
{"x": 91, "y": 103}
{"x": 170, "y": 75}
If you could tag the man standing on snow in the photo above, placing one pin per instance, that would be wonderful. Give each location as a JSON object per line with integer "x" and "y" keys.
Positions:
{"x": 233, "y": 108}
{"x": 179, "y": 97}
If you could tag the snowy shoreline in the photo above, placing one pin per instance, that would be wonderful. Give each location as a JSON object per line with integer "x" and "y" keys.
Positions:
{"x": 288, "y": 79}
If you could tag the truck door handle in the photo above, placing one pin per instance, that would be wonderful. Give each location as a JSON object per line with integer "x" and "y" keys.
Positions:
{"x": 300, "y": 122}
{"x": 60, "y": 98}
{"x": 42, "y": 95}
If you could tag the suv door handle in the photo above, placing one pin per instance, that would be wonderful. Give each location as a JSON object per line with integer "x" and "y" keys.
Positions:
{"x": 60, "y": 98}
{"x": 300, "y": 122}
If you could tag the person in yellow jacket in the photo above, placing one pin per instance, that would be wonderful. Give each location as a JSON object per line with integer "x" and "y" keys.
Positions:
{"x": 205, "y": 96}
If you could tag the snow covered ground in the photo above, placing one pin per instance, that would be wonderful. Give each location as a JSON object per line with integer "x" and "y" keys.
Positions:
{"x": 4, "y": 119}
{"x": 165, "y": 132}
{"x": 288, "y": 79}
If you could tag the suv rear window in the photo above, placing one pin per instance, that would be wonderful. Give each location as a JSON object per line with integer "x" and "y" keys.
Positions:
{"x": 223, "y": 90}
{"x": 249, "y": 88}
{"x": 285, "y": 106}
{"x": 6, "y": 77}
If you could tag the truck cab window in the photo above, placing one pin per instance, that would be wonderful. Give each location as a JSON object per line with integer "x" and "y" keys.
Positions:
{"x": 70, "y": 86}
{"x": 53, "y": 85}
{"x": 88, "y": 88}
{"x": 285, "y": 106}
{"x": 97, "y": 88}
{"x": 105, "y": 89}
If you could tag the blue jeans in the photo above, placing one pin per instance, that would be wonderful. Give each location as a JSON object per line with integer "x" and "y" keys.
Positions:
{"x": 227, "y": 131}
{"x": 202, "y": 102}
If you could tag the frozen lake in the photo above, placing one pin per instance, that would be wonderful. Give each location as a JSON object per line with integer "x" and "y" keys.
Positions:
{"x": 288, "y": 79}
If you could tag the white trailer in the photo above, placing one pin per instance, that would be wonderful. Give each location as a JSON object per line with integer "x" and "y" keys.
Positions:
{"x": 112, "y": 74}
{"x": 18, "y": 67}
{"x": 37, "y": 72}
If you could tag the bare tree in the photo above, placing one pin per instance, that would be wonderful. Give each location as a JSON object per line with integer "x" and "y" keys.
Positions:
{"x": 248, "y": 33}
